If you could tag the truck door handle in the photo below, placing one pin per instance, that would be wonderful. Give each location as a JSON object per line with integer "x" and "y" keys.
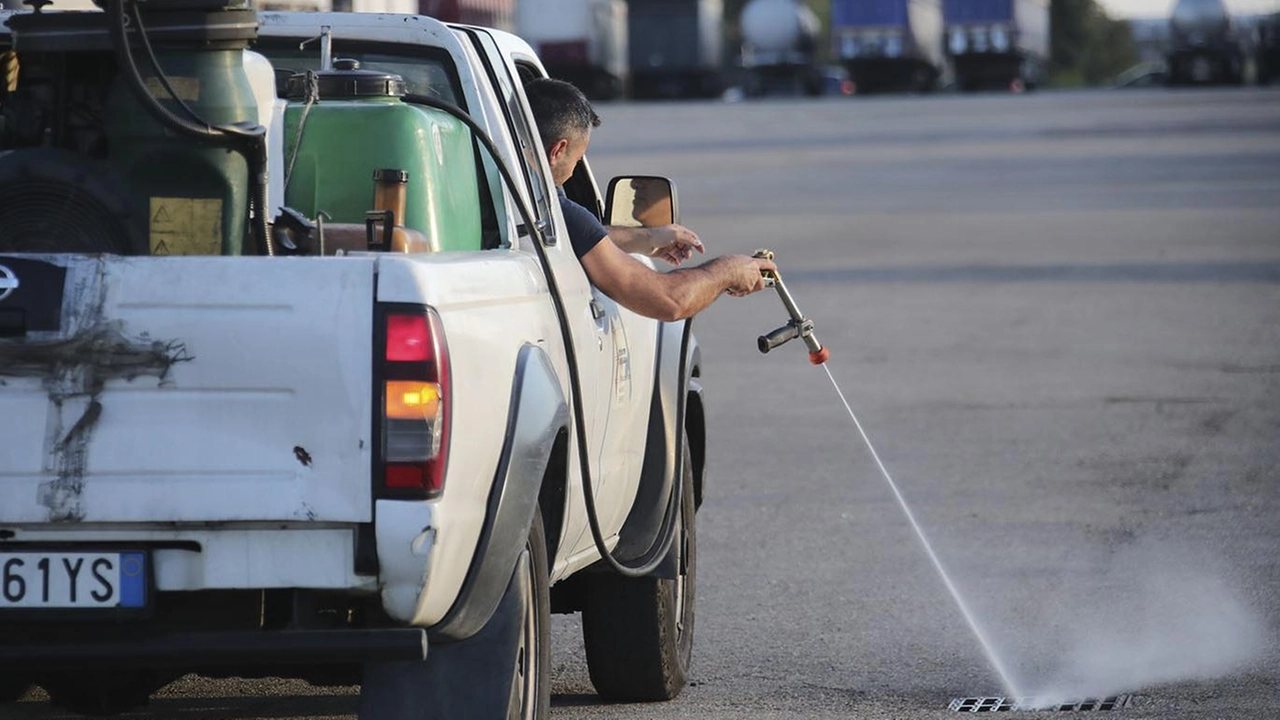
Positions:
{"x": 597, "y": 310}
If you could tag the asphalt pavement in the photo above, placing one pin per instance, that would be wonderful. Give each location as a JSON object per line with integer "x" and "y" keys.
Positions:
{"x": 1057, "y": 316}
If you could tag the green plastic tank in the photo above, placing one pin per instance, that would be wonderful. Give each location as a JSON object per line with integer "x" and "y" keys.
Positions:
{"x": 355, "y": 124}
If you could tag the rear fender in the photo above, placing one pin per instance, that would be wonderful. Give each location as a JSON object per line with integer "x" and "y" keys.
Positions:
{"x": 538, "y": 414}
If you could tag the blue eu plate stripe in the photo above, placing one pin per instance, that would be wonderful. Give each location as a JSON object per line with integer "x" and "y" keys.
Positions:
{"x": 133, "y": 580}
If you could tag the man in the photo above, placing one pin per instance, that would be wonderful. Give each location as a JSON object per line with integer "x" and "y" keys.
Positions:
{"x": 565, "y": 119}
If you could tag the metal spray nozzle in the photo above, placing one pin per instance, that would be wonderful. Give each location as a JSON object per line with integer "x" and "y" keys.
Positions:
{"x": 797, "y": 327}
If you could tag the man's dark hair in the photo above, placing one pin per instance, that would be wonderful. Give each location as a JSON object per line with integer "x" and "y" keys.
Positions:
{"x": 560, "y": 109}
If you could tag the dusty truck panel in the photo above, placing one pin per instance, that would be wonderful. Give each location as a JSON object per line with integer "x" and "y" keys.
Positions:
{"x": 1000, "y": 44}
{"x": 183, "y": 374}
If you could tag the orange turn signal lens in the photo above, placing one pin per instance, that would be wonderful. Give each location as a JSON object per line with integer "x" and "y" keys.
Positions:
{"x": 412, "y": 400}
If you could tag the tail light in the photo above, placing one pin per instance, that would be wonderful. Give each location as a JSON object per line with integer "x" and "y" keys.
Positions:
{"x": 413, "y": 400}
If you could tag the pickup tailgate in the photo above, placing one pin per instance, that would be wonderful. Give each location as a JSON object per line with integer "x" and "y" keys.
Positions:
{"x": 186, "y": 390}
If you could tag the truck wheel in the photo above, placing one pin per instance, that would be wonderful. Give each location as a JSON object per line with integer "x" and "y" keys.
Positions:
{"x": 531, "y": 681}
{"x": 638, "y": 632}
{"x": 12, "y": 689}
{"x": 102, "y": 695}
{"x": 500, "y": 673}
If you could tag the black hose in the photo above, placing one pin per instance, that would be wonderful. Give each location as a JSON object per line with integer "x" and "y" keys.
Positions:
{"x": 250, "y": 140}
{"x": 258, "y": 185}
{"x": 654, "y": 556}
{"x": 136, "y": 15}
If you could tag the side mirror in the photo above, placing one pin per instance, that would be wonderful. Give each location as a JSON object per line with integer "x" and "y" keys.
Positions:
{"x": 641, "y": 201}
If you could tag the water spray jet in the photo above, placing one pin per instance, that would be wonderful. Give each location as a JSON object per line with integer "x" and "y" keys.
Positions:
{"x": 800, "y": 326}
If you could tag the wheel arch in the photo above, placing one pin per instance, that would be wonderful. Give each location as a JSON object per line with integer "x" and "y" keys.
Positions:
{"x": 695, "y": 427}
{"x": 535, "y": 440}
{"x": 553, "y": 494}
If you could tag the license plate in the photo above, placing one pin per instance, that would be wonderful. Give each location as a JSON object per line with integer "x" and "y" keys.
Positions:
{"x": 73, "y": 580}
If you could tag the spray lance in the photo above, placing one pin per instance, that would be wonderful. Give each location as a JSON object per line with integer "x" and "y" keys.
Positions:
{"x": 801, "y": 327}
{"x": 797, "y": 327}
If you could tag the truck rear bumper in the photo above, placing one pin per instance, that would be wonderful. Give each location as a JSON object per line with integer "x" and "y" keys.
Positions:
{"x": 224, "y": 649}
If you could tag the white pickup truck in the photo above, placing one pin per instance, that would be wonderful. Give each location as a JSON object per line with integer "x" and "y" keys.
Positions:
{"x": 351, "y": 466}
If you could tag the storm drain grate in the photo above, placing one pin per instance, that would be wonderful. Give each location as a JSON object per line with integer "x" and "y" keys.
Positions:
{"x": 1003, "y": 704}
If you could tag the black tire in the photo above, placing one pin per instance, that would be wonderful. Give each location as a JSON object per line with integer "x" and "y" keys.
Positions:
{"x": 12, "y": 689}
{"x": 531, "y": 681}
{"x": 638, "y": 632}
{"x": 102, "y": 695}
{"x": 501, "y": 673}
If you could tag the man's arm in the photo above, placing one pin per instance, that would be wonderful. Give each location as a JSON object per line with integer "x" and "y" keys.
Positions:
{"x": 674, "y": 295}
{"x": 673, "y": 243}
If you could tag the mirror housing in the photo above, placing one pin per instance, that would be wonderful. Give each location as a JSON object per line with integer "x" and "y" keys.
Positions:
{"x": 641, "y": 201}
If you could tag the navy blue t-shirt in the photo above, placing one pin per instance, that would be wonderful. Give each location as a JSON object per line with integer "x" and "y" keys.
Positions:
{"x": 585, "y": 231}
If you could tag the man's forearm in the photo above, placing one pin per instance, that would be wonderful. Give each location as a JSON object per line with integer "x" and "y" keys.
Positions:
{"x": 693, "y": 289}
{"x": 638, "y": 240}
{"x": 674, "y": 295}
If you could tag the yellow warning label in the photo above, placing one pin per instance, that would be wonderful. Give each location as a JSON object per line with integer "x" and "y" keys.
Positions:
{"x": 186, "y": 226}
{"x": 186, "y": 88}
{"x": 9, "y": 71}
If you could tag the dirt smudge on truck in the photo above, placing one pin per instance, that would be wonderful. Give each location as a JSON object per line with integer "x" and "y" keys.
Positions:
{"x": 75, "y": 365}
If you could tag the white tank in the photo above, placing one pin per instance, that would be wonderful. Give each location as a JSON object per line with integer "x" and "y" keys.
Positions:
{"x": 777, "y": 25}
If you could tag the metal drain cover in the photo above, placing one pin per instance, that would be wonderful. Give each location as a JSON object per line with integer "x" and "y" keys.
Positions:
{"x": 1003, "y": 704}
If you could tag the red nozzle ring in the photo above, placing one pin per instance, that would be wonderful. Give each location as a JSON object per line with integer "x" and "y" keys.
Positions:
{"x": 819, "y": 357}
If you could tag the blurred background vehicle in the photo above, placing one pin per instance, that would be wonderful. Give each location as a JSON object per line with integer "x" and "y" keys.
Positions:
{"x": 499, "y": 14}
{"x": 491, "y": 13}
{"x": 1203, "y": 45}
{"x": 1144, "y": 74}
{"x": 890, "y": 44}
{"x": 675, "y": 48}
{"x": 779, "y": 48}
{"x": 997, "y": 44}
{"x": 1266, "y": 49}
{"x": 581, "y": 41}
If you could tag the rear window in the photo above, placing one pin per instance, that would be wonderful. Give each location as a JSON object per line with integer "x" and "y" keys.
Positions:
{"x": 424, "y": 72}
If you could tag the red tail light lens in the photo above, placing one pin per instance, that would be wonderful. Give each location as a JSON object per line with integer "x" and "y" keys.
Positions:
{"x": 408, "y": 339}
{"x": 414, "y": 402}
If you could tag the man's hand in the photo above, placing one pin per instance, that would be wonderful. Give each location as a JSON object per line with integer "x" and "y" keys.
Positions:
{"x": 674, "y": 243}
{"x": 746, "y": 273}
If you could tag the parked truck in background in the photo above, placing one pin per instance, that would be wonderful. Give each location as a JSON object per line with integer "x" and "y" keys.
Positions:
{"x": 675, "y": 48}
{"x": 300, "y": 376}
{"x": 779, "y": 48}
{"x": 1266, "y": 53}
{"x": 581, "y": 41}
{"x": 890, "y": 45}
{"x": 997, "y": 44}
{"x": 497, "y": 14}
{"x": 1204, "y": 48}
